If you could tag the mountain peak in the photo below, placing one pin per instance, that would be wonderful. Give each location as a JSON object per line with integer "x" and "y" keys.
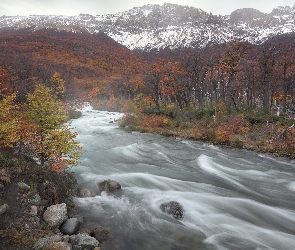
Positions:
{"x": 155, "y": 26}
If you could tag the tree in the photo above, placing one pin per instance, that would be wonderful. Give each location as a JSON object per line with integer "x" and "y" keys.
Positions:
{"x": 9, "y": 123}
{"x": 267, "y": 61}
{"x": 58, "y": 85}
{"x": 52, "y": 139}
{"x": 229, "y": 65}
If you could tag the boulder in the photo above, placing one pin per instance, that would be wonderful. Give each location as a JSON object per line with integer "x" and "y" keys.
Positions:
{"x": 109, "y": 186}
{"x": 4, "y": 208}
{"x": 55, "y": 215}
{"x": 84, "y": 192}
{"x": 173, "y": 208}
{"x": 99, "y": 233}
{"x": 84, "y": 240}
{"x": 70, "y": 227}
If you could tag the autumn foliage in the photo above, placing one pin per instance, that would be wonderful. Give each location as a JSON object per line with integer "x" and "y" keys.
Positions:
{"x": 38, "y": 129}
{"x": 221, "y": 93}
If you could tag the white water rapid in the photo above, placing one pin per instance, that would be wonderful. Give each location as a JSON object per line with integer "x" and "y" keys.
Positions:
{"x": 232, "y": 199}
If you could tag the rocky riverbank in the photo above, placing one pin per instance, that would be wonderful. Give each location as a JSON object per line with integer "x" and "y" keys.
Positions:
{"x": 36, "y": 210}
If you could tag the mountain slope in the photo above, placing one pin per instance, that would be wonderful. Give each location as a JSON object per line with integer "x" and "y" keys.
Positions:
{"x": 173, "y": 26}
{"x": 32, "y": 57}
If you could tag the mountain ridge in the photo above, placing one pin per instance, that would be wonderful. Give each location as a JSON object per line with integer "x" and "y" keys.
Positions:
{"x": 171, "y": 26}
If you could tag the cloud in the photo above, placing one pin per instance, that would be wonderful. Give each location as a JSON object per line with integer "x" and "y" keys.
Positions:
{"x": 98, "y": 7}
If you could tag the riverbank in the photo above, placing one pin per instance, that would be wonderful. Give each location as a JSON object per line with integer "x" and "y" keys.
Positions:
{"x": 26, "y": 190}
{"x": 263, "y": 134}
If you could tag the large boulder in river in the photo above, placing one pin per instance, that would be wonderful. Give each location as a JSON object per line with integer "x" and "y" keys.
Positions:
{"x": 109, "y": 186}
{"x": 173, "y": 208}
{"x": 55, "y": 215}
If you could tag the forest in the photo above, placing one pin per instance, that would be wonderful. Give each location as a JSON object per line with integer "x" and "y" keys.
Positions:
{"x": 237, "y": 94}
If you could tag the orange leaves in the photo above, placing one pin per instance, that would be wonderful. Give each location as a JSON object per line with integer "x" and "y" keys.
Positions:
{"x": 229, "y": 128}
{"x": 4, "y": 82}
{"x": 286, "y": 141}
{"x": 57, "y": 163}
{"x": 168, "y": 77}
{"x": 94, "y": 93}
{"x": 154, "y": 121}
{"x": 137, "y": 82}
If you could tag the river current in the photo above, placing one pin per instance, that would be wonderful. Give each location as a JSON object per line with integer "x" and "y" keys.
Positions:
{"x": 232, "y": 199}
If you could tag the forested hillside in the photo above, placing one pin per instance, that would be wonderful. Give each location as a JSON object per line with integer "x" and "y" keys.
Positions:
{"x": 253, "y": 82}
{"x": 28, "y": 58}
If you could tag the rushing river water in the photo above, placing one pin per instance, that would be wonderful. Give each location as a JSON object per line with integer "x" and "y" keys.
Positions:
{"x": 232, "y": 199}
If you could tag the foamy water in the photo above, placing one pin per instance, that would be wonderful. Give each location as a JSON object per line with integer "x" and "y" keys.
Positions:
{"x": 232, "y": 199}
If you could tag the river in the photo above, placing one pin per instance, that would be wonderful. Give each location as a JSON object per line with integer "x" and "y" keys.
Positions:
{"x": 232, "y": 199}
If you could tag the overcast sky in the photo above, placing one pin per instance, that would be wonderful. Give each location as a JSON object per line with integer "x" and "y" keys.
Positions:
{"x": 101, "y": 7}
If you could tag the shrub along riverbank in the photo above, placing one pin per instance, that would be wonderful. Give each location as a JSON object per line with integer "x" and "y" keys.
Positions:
{"x": 256, "y": 130}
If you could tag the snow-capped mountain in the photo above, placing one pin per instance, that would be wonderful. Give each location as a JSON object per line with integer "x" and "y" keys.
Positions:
{"x": 174, "y": 26}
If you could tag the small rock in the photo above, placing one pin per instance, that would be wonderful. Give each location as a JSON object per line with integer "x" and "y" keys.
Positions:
{"x": 84, "y": 192}
{"x": 36, "y": 200}
{"x": 70, "y": 227}
{"x": 55, "y": 215}
{"x": 109, "y": 185}
{"x": 87, "y": 242}
{"x": 74, "y": 239}
{"x": 4, "y": 208}
{"x": 23, "y": 187}
{"x": 34, "y": 211}
{"x": 66, "y": 238}
{"x": 173, "y": 208}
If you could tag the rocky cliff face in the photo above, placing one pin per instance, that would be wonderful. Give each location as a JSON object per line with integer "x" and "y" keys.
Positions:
{"x": 169, "y": 25}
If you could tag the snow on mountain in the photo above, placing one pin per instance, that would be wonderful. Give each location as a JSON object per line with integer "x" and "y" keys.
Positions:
{"x": 170, "y": 25}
